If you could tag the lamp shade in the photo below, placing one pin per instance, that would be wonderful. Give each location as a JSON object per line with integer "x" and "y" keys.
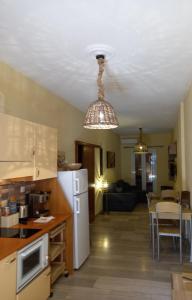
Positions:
{"x": 100, "y": 115}
{"x": 140, "y": 147}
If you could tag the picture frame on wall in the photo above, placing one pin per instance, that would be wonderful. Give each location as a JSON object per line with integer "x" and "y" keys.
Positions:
{"x": 110, "y": 159}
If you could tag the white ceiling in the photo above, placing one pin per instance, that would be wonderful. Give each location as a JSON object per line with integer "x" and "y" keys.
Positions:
{"x": 151, "y": 65}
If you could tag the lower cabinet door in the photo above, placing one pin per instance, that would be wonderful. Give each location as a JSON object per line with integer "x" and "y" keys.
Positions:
{"x": 38, "y": 289}
{"x": 8, "y": 277}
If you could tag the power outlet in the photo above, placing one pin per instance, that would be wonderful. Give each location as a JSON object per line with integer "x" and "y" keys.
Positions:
{"x": 22, "y": 189}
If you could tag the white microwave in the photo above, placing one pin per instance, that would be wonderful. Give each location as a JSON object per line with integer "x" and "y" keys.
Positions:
{"x": 31, "y": 260}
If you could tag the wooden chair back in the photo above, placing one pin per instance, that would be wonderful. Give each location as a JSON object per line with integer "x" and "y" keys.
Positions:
{"x": 168, "y": 210}
{"x": 169, "y": 194}
{"x": 185, "y": 199}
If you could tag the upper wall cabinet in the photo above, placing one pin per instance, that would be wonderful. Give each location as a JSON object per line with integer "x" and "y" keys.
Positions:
{"x": 16, "y": 148}
{"x": 45, "y": 152}
{"x": 17, "y": 139}
{"x": 27, "y": 149}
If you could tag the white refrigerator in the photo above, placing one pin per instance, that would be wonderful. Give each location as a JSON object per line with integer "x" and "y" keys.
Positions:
{"x": 75, "y": 187}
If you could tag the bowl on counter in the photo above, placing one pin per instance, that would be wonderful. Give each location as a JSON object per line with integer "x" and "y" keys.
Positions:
{"x": 74, "y": 166}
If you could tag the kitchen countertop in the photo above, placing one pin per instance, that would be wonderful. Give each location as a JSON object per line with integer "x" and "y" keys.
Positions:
{"x": 10, "y": 245}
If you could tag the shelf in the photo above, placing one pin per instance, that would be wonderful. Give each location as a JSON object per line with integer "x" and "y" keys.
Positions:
{"x": 56, "y": 249}
{"x": 58, "y": 230}
{"x": 57, "y": 268}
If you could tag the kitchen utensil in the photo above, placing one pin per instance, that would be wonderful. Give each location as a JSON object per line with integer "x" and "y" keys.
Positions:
{"x": 23, "y": 214}
{"x": 5, "y": 210}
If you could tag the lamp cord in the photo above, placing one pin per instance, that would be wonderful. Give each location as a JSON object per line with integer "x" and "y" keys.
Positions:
{"x": 101, "y": 63}
{"x": 140, "y": 129}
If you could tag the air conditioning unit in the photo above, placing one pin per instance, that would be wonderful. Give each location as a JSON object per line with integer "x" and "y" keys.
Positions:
{"x": 126, "y": 141}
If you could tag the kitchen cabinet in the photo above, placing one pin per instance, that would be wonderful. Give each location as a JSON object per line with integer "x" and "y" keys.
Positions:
{"x": 57, "y": 252}
{"x": 8, "y": 277}
{"x": 27, "y": 149}
{"x": 16, "y": 151}
{"x": 45, "y": 152}
{"x": 38, "y": 289}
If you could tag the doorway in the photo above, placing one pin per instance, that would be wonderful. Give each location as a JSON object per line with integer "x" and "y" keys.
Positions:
{"x": 85, "y": 154}
{"x": 144, "y": 170}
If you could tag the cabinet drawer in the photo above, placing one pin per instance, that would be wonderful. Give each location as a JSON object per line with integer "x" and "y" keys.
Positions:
{"x": 38, "y": 289}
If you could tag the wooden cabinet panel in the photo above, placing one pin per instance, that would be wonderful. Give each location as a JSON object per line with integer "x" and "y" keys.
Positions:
{"x": 17, "y": 139}
{"x": 38, "y": 289}
{"x": 17, "y": 146}
{"x": 8, "y": 277}
{"x": 27, "y": 149}
{"x": 45, "y": 152}
{"x": 15, "y": 170}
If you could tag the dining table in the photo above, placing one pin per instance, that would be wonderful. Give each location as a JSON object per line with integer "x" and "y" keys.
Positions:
{"x": 186, "y": 216}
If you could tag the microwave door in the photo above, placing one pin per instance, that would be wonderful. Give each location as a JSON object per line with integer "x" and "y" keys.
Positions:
{"x": 30, "y": 263}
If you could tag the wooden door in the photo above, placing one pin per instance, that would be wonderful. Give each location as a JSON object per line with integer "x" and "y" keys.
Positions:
{"x": 38, "y": 289}
{"x": 45, "y": 152}
{"x": 85, "y": 154}
{"x": 17, "y": 139}
{"x": 17, "y": 145}
{"x": 8, "y": 277}
{"x": 88, "y": 162}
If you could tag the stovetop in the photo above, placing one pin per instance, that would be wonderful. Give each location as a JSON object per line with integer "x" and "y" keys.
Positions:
{"x": 20, "y": 233}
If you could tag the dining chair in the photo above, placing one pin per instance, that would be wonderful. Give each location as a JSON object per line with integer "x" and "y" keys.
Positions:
{"x": 169, "y": 211}
{"x": 185, "y": 199}
{"x": 148, "y": 200}
{"x": 150, "y": 223}
{"x": 152, "y": 199}
{"x": 170, "y": 194}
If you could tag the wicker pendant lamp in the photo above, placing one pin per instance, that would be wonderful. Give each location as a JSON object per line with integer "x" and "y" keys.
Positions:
{"x": 100, "y": 114}
{"x": 140, "y": 147}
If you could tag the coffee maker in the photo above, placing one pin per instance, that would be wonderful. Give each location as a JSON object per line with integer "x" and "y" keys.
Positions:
{"x": 38, "y": 204}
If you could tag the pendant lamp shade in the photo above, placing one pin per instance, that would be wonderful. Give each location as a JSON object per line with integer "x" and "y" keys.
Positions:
{"x": 100, "y": 114}
{"x": 140, "y": 147}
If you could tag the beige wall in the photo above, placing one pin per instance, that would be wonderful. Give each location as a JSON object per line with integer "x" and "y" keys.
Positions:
{"x": 183, "y": 135}
{"x": 22, "y": 97}
{"x": 187, "y": 107}
{"x": 163, "y": 139}
{"x": 179, "y": 137}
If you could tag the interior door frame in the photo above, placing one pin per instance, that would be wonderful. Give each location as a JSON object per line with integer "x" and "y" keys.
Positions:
{"x": 80, "y": 143}
{"x": 91, "y": 189}
{"x": 143, "y": 164}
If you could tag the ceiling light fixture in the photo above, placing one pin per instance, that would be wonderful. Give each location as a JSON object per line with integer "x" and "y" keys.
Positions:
{"x": 100, "y": 114}
{"x": 140, "y": 147}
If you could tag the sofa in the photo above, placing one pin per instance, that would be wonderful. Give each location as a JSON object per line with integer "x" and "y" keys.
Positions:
{"x": 121, "y": 196}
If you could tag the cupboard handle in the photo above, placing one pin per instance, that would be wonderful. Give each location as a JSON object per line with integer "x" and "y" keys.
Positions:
{"x": 37, "y": 172}
{"x": 11, "y": 261}
{"x": 77, "y": 185}
{"x": 78, "y": 206}
{"x": 48, "y": 258}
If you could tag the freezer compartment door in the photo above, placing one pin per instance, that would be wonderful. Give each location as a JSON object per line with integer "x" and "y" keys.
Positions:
{"x": 80, "y": 181}
{"x": 81, "y": 230}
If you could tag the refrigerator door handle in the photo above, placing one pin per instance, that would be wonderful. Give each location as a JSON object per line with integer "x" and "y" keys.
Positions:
{"x": 77, "y": 185}
{"x": 78, "y": 206}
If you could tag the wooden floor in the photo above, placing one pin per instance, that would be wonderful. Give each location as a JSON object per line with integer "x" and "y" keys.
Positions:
{"x": 120, "y": 266}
